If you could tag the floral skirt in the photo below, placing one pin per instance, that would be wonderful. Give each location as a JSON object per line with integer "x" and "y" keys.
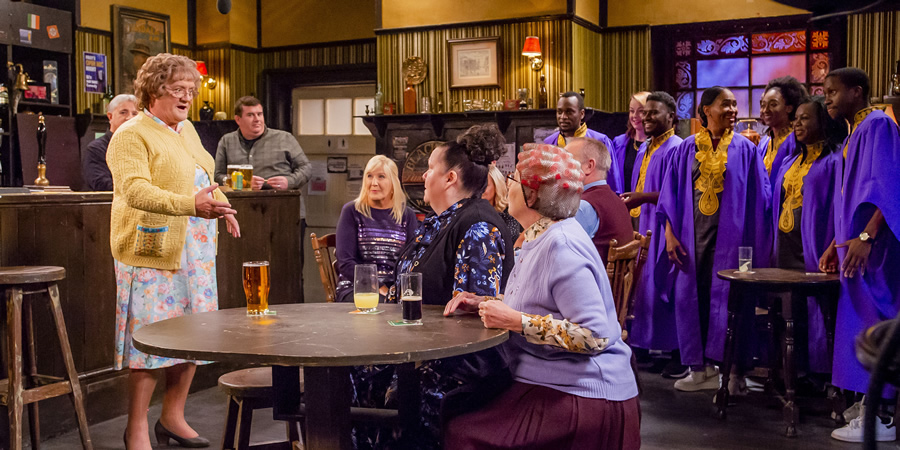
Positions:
{"x": 145, "y": 295}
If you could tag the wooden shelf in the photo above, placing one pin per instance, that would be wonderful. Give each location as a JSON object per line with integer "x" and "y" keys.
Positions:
{"x": 43, "y": 104}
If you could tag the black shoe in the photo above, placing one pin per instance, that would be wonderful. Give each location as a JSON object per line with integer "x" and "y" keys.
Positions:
{"x": 163, "y": 435}
{"x": 675, "y": 370}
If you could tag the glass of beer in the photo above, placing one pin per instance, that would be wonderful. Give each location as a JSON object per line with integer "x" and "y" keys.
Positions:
{"x": 246, "y": 171}
{"x": 256, "y": 287}
{"x": 365, "y": 287}
{"x": 411, "y": 297}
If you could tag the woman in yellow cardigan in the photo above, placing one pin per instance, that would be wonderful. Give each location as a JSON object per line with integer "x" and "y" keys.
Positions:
{"x": 163, "y": 238}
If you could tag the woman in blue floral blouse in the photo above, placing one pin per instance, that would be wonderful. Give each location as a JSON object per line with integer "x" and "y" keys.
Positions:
{"x": 464, "y": 246}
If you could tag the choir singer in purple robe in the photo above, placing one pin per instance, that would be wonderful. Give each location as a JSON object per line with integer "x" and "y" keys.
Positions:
{"x": 715, "y": 198}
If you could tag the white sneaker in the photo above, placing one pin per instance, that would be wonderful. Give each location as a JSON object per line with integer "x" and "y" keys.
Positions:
{"x": 853, "y": 411}
{"x": 698, "y": 381}
{"x": 853, "y": 431}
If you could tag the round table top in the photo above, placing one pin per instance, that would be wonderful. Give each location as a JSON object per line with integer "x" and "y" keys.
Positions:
{"x": 773, "y": 276}
{"x": 316, "y": 334}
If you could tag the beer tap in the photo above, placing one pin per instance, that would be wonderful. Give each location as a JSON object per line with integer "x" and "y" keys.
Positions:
{"x": 42, "y": 180}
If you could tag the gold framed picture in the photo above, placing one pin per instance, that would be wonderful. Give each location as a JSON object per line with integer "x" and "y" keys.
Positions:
{"x": 474, "y": 62}
{"x": 137, "y": 35}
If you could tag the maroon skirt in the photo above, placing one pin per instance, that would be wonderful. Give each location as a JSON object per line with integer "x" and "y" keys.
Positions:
{"x": 534, "y": 417}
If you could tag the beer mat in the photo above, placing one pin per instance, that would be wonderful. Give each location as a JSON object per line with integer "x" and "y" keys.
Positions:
{"x": 401, "y": 323}
{"x": 267, "y": 312}
{"x": 377, "y": 311}
{"x": 746, "y": 272}
{"x": 816, "y": 274}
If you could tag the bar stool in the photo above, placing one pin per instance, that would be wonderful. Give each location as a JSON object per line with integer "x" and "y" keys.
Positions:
{"x": 248, "y": 390}
{"x": 24, "y": 385}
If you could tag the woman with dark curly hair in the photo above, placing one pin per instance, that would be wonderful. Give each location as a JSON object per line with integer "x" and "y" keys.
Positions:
{"x": 803, "y": 209}
{"x": 778, "y": 109}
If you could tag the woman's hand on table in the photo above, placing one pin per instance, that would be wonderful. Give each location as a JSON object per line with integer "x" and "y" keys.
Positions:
{"x": 465, "y": 301}
{"x": 231, "y": 224}
{"x": 208, "y": 207}
{"x": 496, "y": 314}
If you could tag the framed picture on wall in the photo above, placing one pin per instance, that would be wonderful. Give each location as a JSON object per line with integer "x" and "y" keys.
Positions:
{"x": 137, "y": 35}
{"x": 474, "y": 62}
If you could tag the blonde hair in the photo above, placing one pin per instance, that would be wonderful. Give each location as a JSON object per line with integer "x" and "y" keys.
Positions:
{"x": 160, "y": 70}
{"x": 500, "y": 200}
{"x": 398, "y": 197}
{"x": 641, "y": 97}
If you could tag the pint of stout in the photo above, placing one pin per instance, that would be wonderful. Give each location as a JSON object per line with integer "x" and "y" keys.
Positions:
{"x": 246, "y": 171}
{"x": 256, "y": 286}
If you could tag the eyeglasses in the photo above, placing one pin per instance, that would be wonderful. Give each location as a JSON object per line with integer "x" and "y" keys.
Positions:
{"x": 181, "y": 92}
{"x": 511, "y": 177}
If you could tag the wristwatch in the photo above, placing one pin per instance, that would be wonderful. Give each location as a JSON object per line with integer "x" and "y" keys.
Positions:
{"x": 866, "y": 238}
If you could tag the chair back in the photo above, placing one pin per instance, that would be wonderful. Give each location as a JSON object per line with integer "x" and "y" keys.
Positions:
{"x": 323, "y": 247}
{"x": 623, "y": 267}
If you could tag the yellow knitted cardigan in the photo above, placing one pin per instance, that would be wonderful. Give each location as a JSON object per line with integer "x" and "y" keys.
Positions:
{"x": 153, "y": 191}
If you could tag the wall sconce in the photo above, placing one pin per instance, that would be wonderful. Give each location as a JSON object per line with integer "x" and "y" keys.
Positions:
{"x": 532, "y": 50}
{"x": 208, "y": 81}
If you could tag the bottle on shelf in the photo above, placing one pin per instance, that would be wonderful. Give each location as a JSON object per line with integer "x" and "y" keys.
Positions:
{"x": 440, "y": 102}
{"x": 379, "y": 100}
{"x": 4, "y": 106}
{"x": 409, "y": 100}
{"x": 542, "y": 93}
{"x": 895, "y": 81}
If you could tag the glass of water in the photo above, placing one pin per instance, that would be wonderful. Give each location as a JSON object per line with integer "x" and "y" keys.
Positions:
{"x": 745, "y": 259}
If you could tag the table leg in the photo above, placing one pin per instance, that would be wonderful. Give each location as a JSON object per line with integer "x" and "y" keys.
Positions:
{"x": 791, "y": 412}
{"x": 410, "y": 397}
{"x": 835, "y": 396}
{"x": 734, "y": 300}
{"x": 327, "y": 399}
{"x": 286, "y": 382}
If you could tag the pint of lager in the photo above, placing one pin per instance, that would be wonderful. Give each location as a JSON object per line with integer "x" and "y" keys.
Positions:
{"x": 246, "y": 171}
{"x": 256, "y": 286}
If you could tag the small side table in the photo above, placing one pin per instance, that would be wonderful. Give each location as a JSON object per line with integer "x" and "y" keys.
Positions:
{"x": 799, "y": 285}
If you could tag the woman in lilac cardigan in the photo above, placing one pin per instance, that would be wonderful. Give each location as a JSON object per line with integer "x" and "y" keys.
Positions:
{"x": 573, "y": 382}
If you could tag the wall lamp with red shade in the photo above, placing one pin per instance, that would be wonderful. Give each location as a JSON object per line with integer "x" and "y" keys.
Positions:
{"x": 208, "y": 81}
{"x": 532, "y": 50}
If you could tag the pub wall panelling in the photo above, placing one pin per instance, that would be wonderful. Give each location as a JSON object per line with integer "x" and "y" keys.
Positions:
{"x": 873, "y": 45}
{"x": 515, "y": 69}
{"x": 236, "y": 69}
{"x": 611, "y": 65}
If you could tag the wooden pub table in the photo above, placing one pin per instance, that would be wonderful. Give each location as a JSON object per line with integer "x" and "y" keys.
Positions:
{"x": 757, "y": 283}
{"x": 326, "y": 341}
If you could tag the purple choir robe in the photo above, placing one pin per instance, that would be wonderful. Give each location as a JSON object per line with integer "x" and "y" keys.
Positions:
{"x": 653, "y": 327}
{"x": 614, "y": 177}
{"x": 619, "y": 143}
{"x": 869, "y": 181}
{"x": 743, "y": 221}
{"x": 817, "y": 232}
{"x": 788, "y": 148}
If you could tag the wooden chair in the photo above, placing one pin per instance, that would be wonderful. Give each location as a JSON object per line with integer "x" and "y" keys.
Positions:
{"x": 323, "y": 247}
{"x": 624, "y": 269}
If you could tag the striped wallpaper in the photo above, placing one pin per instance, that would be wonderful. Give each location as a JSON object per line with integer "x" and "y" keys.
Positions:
{"x": 515, "y": 69}
{"x": 872, "y": 45}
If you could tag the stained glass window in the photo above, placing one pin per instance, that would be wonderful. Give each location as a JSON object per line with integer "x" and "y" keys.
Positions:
{"x": 766, "y": 68}
{"x": 722, "y": 72}
{"x": 745, "y": 63}
{"x": 685, "y": 105}
{"x": 784, "y": 42}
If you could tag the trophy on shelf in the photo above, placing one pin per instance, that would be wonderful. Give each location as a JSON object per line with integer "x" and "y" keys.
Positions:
{"x": 41, "y": 179}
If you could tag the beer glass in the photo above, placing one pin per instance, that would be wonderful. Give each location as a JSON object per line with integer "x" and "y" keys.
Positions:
{"x": 256, "y": 287}
{"x": 365, "y": 287}
{"x": 411, "y": 296}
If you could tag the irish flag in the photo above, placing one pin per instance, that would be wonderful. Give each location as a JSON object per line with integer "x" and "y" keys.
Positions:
{"x": 34, "y": 21}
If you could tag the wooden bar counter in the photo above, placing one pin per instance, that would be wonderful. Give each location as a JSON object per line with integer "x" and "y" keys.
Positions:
{"x": 71, "y": 230}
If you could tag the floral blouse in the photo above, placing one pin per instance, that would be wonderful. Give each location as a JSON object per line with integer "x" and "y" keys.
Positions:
{"x": 479, "y": 255}
{"x": 545, "y": 330}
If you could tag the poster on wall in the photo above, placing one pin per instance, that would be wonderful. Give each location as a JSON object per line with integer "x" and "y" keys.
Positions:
{"x": 95, "y": 74}
{"x": 137, "y": 35}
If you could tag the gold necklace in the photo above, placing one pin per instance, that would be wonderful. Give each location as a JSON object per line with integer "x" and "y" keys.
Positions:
{"x": 793, "y": 186}
{"x": 712, "y": 168}
{"x": 655, "y": 144}
{"x": 774, "y": 144}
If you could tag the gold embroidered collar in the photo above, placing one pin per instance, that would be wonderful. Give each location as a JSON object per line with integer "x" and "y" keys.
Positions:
{"x": 775, "y": 142}
{"x": 793, "y": 185}
{"x": 580, "y": 132}
{"x": 655, "y": 143}
{"x": 857, "y": 119}
{"x": 712, "y": 168}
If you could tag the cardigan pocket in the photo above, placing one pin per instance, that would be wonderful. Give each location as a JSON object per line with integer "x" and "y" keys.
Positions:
{"x": 150, "y": 241}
